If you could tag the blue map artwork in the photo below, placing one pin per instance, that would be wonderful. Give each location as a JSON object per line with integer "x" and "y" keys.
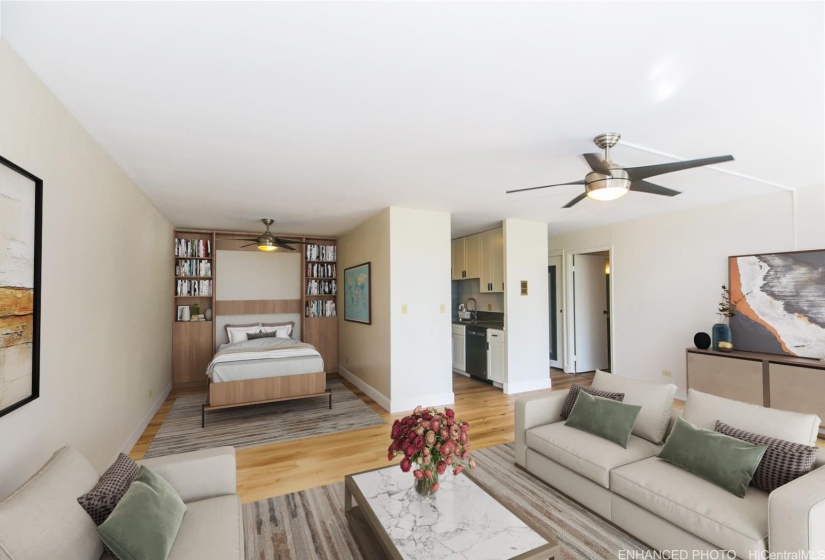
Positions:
{"x": 357, "y": 293}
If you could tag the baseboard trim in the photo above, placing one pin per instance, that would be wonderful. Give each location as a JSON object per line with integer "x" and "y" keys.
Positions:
{"x": 406, "y": 404}
{"x": 524, "y": 386}
{"x": 138, "y": 431}
{"x": 373, "y": 393}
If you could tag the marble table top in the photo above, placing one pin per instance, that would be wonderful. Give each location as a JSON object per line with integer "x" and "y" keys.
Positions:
{"x": 459, "y": 522}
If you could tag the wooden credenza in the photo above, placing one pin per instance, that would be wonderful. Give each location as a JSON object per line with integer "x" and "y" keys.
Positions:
{"x": 771, "y": 380}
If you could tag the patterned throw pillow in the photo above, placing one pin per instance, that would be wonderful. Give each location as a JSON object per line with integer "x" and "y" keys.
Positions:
{"x": 574, "y": 394}
{"x": 253, "y": 336}
{"x": 783, "y": 461}
{"x": 100, "y": 501}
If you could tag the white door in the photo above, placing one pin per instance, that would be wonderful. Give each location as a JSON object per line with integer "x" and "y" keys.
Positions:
{"x": 590, "y": 313}
{"x": 556, "y": 311}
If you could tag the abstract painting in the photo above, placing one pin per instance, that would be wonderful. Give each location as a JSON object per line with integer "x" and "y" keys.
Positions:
{"x": 21, "y": 201}
{"x": 357, "y": 295}
{"x": 781, "y": 303}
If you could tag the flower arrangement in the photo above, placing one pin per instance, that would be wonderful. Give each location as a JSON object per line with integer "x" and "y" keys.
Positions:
{"x": 434, "y": 441}
{"x": 727, "y": 308}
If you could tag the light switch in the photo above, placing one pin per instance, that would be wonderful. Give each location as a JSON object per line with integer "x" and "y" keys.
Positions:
{"x": 403, "y": 308}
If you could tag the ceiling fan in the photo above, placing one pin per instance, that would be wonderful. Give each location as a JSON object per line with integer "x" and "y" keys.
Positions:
{"x": 609, "y": 180}
{"x": 268, "y": 242}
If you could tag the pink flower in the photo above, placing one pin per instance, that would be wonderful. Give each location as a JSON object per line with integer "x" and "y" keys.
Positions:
{"x": 418, "y": 473}
{"x": 428, "y": 474}
{"x": 450, "y": 421}
{"x": 440, "y": 467}
{"x": 462, "y": 437}
{"x": 447, "y": 449}
{"x": 435, "y": 487}
{"x": 457, "y": 470}
{"x": 390, "y": 456}
{"x": 449, "y": 460}
{"x": 435, "y": 423}
{"x": 426, "y": 459}
{"x": 409, "y": 450}
{"x": 465, "y": 426}
{"x": 426, "y": 416}
{"x": 419, "y": 430}
{"x": 417, "y": 409}
{"x": 406, "y": 464}
{"x": 418, "y": 442}
{"x": 465, "y": 454}
{"x": 449, "y": 412}
{"x": 454, "y": 431}
{"x": 430, "y": 438}
{"x": 445, "y": 433}
{"x": 472, "y": 463}
{"x": 396, "y": 431}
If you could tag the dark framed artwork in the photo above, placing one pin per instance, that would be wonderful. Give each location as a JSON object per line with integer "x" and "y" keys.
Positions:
{"x": 358, "y": 294}
{"x": 21, "y": 217}
{"x": 780, "y": 303}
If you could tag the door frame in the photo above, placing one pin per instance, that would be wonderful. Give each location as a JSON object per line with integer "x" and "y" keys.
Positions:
{"x": 561, "y": 304}
{"x": 569, "y": 319}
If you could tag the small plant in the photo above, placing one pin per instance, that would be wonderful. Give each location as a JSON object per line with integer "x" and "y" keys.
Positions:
{"x": 727, "y": 307}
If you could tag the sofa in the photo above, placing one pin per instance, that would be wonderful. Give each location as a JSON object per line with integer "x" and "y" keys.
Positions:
{"x": 662, "y": 505}
{"x": 42, "y": 520}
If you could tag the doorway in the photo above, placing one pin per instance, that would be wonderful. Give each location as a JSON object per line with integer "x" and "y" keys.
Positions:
{"x": 589, "y": 302}
{"x": 555, "y": 311}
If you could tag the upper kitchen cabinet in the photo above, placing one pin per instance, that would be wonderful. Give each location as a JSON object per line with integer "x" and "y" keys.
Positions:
{"x": 467, "y": 257}
{"x": 491, "y": 279}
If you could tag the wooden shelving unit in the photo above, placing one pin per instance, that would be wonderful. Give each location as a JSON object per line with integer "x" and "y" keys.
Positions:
{"x": 193, "y": 342}
{"x": 321, "y": 331}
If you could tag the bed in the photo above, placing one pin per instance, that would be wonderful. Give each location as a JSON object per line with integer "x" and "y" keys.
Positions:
{"x": 264, "y": 370}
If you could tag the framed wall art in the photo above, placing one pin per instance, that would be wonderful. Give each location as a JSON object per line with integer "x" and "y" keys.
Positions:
{"x": 21, "y": 216}
{"x": 357, "y": 294}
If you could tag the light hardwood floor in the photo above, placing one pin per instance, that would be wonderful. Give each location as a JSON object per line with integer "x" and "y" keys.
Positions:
{"x": 281, "y": 468}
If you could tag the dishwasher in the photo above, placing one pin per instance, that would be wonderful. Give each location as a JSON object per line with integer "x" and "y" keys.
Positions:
{"x": 476, "y": 351}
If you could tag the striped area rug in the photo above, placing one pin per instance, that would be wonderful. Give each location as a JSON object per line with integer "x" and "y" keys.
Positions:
{"x": 310, "y": 525}
{"x": 253, "y": 426}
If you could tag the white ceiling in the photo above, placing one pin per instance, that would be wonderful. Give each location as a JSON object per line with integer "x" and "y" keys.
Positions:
{"x": 320, "y": 114}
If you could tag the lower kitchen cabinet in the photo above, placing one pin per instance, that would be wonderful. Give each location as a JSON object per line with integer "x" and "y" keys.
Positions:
{"x": 459, "y": 348}
{"x": 496, "y": 362}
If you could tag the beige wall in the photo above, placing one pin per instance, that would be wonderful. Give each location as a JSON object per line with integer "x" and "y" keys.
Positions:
{"x": 364, "y": 350}
{"x": 106, "y": 288}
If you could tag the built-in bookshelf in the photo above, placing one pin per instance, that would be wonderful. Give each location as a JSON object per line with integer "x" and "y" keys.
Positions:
{"x": 320, "y": 299}
{"x": 193, "y": 340}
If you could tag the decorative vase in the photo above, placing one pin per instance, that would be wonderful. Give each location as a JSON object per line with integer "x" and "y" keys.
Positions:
{"x": 427, "y": 486}
{"x": 185, "y": 314}
{"x": 721, "y": 333}
{"x": 208, "y": 314}
{"x": 196, "y": 309}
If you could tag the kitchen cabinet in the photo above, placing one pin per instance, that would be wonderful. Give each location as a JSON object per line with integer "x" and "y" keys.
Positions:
{"x": 466, "y": 257}
{"x": 491, "y": 279}
{"x": 496, "y": 363}
{"x": 459, "y": 340}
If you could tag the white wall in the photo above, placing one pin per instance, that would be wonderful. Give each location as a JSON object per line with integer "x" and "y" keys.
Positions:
{"x": 106, "y": 289}
{"x": 420, "y": 260}
{"x": 526, "y": 320}
{"x": 667, "y": 271}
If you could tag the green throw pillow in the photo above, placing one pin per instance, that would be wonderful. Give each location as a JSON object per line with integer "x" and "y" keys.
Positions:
{"x": 605, "y": 418}
{"x": 145, "y": 522}
{"x": 723, "y": 460}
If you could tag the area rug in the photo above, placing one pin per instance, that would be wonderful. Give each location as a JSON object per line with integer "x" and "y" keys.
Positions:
{"x": 310, "y": 525}
{"x": 253, "y": 426}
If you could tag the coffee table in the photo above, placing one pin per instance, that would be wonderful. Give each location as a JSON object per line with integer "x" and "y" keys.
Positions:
{"x": 389, "y": 519}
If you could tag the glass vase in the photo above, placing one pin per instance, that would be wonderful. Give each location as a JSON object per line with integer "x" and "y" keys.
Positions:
{"x": 427, "y": 486}
{"x": 721, "y": 333}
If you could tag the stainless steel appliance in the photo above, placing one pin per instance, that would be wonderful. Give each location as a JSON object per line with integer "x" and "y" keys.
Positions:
{"x": 476, "y": 351}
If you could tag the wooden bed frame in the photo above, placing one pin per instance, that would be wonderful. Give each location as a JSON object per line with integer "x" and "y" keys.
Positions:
{"x": 230, "y": 394}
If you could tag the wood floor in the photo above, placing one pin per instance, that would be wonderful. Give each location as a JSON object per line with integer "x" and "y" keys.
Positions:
{"x": 282, "y": 468}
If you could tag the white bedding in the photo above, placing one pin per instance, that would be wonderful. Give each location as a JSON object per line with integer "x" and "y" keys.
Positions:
{"x": 263, "y": 357}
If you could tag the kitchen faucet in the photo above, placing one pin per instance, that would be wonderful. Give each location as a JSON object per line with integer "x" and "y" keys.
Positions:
{"x": 474, "y": 310}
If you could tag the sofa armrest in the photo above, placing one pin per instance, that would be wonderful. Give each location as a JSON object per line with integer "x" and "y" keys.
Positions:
{"x": 533, "y": 411}
{"x": 198, "y": 475}
{"x": 797, "y": 515}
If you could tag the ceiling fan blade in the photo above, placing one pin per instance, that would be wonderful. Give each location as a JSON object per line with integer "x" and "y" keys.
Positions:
{"x": 637, "y": 173}
{"x": 285, "y": 246}
{"x": 645, "y": 187}
{"x": 596, "y": 163}
{"x": 237, "y": 239}
{"x": 249, "y": 245}
{"x": 294, "y": 241}
{"x": 547, "y": 186}
{"x": 575, "y": 201}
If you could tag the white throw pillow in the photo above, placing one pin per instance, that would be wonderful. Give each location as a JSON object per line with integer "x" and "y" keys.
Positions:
{"x": 280, "y": 332}
{"x": 238, "y": 334}
{"x": 704, "y": 410}
{"x": 656, "y": 400}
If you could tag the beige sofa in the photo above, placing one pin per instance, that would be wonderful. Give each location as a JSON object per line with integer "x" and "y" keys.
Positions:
{"x": 662, "y": 505}
{"x": 43, "y": 521}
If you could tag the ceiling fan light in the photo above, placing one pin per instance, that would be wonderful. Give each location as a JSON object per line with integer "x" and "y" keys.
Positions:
{"x": 604, "y": 188}
{"x": 607, "y": 193}
{"x": 267, "y": 248}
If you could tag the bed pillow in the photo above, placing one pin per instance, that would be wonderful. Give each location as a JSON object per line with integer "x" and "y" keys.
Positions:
{"x": 266, "y": 327}
{"x": 257, "y": 335}
{"x": 238, "y": 334}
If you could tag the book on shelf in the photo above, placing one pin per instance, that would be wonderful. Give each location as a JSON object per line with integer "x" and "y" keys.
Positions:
{"x": 193, "y": 267}
{"x": 320, "y": 270}
{"x": 321, "y": 252}
{"x": 320, "y": 308}
{"x": 193, "y": 248}
{"x": 194, "y": 288}
{"x": 321, "y": 287}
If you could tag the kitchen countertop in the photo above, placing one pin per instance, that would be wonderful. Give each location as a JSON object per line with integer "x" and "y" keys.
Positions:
{"x": 485, "y": 324}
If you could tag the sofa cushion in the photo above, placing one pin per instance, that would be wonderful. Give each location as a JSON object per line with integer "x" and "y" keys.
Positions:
{"x": 586, "y": 454}
{"x": 705, "y": 410}
{"x": 211, "y": 530}
{"x": 573, "y": 395}
{"x": 605, "y": 418}
{"x": 696, "y": 505}
{"x": 46, "y": 505}
{"x": 100, "y": 501}
{"x": 656, "y": 400}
